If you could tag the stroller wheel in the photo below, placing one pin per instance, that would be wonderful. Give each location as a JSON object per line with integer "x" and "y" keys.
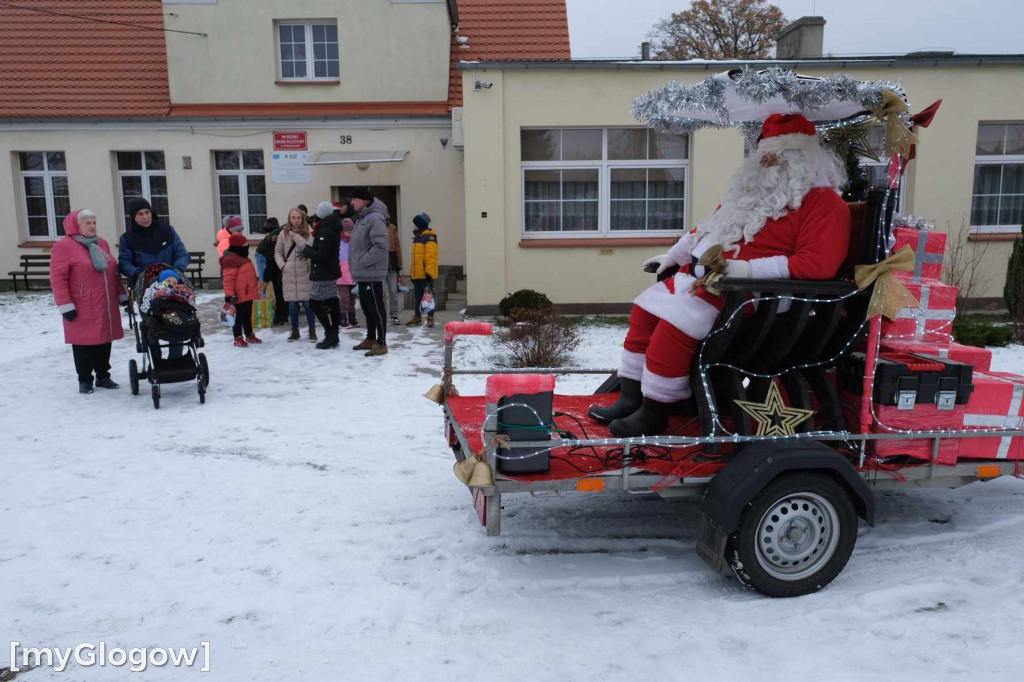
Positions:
{"x": 133, "y": 376}
{"x": 156, "y": 396}
{"x": 202, "y": 390}
{"x": 204, "y": 370}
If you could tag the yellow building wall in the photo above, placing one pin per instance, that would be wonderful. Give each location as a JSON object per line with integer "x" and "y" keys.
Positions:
{"x": 939, "y": 185}
{"x": 430, "y": 179}
{"x": 399, "y": 52}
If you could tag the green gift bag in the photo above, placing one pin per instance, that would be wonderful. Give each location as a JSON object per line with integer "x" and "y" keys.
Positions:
{"x": 263, "y": 308}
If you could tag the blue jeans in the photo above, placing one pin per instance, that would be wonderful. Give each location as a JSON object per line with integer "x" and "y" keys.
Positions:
{"x": 293, "y": 313}
{"x": 261, "y": 265}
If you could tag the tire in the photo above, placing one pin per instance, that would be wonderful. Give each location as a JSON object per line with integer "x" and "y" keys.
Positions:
{"x": 794, "y": 537}
{"x": 204, "y": 370}
{"x": 133, "y": 376}
{"x": 202, "y": 390}
{"x": 156, "y": 396}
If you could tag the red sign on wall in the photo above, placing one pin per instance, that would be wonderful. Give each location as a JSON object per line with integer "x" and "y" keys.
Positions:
{"x": 289, "y": 142}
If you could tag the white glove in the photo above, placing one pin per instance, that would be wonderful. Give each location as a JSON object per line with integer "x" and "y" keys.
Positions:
{"x": 738, "y": 269}
{"x": 663, "y": 263}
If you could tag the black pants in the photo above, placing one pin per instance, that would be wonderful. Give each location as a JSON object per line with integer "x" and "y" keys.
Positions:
{"x": 243, "y": 319}
{"x": 280, "y": 307}
{"x": 371, "y": 298}
{"x": 328, "y": 312}
{"x": 89, "y": 359}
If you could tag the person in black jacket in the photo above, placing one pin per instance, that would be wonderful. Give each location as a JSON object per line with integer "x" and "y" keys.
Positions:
{"x": 324, "y": 271}
{"x": 270, "y": 272}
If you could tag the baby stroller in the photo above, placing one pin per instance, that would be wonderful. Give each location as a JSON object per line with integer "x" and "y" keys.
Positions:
{"x": 169, "y": 325}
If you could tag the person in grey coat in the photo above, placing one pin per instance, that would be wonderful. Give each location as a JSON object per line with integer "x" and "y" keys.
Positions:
{"x": 368, "y": 263}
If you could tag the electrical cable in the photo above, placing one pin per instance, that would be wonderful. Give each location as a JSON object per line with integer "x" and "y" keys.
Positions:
{"x": 12, "y": 5}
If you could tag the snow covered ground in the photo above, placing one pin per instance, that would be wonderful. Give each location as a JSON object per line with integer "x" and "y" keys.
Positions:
{"x": 306, "y": 523}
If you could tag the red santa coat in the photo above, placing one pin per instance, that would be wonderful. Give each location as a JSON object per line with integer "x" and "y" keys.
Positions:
{"x": 78, "y": 286}
{"x": 807, "y": 243}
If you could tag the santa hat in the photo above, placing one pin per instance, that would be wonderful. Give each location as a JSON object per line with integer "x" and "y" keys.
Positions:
{"x": 235, "y": 225}
{"x": 781, "y": 132}
{"x": 237, "y": 240}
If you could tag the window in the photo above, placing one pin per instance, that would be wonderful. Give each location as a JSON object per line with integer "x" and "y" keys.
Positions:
{"x": 143, "y": 174}
{"x": 242, "y": 187}
{"x": 308, "y": 51}
{"x": 44, "y": 181}
{"x": 997, "y": 204}
{"x": 593, "y": 181}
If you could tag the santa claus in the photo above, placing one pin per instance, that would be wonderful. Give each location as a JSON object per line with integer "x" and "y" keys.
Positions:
{"x": 781, "y": 218}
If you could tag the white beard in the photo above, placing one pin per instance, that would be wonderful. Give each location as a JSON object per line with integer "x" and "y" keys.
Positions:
{"x": 758, "y": 194}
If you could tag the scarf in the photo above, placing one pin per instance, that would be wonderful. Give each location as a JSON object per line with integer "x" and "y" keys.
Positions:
{"x": 98, "y": 255}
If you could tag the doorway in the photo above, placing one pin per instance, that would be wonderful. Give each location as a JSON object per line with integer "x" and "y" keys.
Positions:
{"x": 386, "y": 193}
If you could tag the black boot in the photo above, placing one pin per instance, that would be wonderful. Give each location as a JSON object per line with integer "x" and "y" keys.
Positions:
{"x": 85, "y": 386}
{"x": 650, "y": 420}
{"x": 628, "y": 403}
{"x": 330, "y": 340}
{"x": 107, "y": 382}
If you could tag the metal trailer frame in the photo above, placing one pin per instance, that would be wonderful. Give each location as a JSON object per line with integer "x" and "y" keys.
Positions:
{"x": 636, "y": 481}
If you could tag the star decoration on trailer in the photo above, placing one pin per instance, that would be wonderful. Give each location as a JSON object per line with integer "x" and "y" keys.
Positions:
{"x": 773, "y": 417}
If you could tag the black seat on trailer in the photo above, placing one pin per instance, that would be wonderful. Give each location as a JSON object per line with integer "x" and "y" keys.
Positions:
{"x": 799, "y": 345}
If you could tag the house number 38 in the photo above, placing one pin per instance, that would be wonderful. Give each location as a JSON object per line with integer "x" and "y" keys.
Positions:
{"x": 346, "y": 139}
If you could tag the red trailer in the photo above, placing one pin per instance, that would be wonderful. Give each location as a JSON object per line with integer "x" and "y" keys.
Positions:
{"x": 806, "y": 405}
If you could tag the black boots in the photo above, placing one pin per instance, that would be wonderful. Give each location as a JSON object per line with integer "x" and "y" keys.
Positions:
{"x": 330, "y": 340}
{"x": 628, "y": 403}
{"x": 106, "y": 382}
{"x": 85, "y": 386}
{"x": 650, "y": 420}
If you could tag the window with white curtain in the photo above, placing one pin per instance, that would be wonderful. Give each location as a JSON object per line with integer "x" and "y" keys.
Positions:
{"x": 308, "y": 50}
{"x": 603, "y": 182}
{"x": 143, "y": 174}
{"x": 997, "y": 202}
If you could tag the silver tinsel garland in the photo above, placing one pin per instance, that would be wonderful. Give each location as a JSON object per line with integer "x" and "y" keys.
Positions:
{"x": 914, "y": 221}
{"x": 808, "y": 94}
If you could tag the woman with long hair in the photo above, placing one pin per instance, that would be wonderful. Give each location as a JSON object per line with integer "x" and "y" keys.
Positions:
{"x": 295, "y": 236}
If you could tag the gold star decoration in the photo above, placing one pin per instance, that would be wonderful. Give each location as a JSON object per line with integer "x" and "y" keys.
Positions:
{"x": 773, "y": 417}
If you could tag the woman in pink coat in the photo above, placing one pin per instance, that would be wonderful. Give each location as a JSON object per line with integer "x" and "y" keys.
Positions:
{"x": 83, "y": 276}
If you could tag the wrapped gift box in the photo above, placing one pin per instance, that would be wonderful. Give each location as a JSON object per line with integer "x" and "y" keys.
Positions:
{"x": 933, "y": 320}
{"x": 997, "y": 403}
{"x": 929, "y": 248}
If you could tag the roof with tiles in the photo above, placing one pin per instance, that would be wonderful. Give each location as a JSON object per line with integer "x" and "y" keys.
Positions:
{"x": 53, "y": 65}
{"x": 504, "y": 30}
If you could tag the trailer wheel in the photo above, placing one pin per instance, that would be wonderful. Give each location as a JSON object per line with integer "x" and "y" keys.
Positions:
{"x": 794, "y": 537}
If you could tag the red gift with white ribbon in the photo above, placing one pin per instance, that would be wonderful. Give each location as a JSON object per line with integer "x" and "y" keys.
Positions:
{"x": 996, "y": 403}
{"x": 929, "y": 248}
{"x": 932, "y": 321}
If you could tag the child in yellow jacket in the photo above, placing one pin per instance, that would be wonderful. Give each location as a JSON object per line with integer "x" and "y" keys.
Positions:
{"x": 423, "y": 267}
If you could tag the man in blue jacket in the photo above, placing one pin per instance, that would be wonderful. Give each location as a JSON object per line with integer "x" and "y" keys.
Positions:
{"x": 148, "y": 241}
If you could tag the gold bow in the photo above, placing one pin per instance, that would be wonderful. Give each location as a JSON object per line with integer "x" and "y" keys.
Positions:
{"x": 474, "y": 472}
{"x": 890, "y": 295}
{"x": 898, "y": 137}
{"x": 713, "y": 261}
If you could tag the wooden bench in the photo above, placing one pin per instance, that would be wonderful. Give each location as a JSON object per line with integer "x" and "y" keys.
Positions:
{"x": 194, "y": 271}
{"x": 34, "y": 268}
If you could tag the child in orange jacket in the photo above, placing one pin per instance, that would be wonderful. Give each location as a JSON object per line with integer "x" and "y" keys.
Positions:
{"x": 240, "y": 287}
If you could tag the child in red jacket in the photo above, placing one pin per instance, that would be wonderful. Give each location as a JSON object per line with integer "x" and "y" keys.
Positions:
{"x": 240, "y": 287}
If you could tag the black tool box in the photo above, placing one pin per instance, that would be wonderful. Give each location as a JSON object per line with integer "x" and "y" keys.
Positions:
{"x": 906, "y": 379}
{"x": 523, "y": 460}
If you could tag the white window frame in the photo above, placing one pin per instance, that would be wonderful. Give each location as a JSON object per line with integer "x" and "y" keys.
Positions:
{"x": 47, "y": 175}
{"x": 145, "y": 174}
{"x": 243, "y": 187}
{"x": 995, "y": 160}
{"x": 310, "y": 61}
{"x": 604, "y": 186}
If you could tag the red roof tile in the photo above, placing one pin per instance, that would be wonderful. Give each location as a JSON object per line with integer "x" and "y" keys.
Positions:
{"x": 63, "y": 67}
{"x": 507, "y": 30}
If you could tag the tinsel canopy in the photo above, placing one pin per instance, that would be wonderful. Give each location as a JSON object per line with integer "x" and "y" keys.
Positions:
{"x": 746, "y": 97}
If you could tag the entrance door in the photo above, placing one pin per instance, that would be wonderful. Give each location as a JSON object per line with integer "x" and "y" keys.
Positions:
{"x": 386, "y": 193}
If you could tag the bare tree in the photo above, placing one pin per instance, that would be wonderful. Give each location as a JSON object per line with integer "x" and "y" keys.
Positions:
{"x": 719, "y": 29}
{"x": 963, "y": 266}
